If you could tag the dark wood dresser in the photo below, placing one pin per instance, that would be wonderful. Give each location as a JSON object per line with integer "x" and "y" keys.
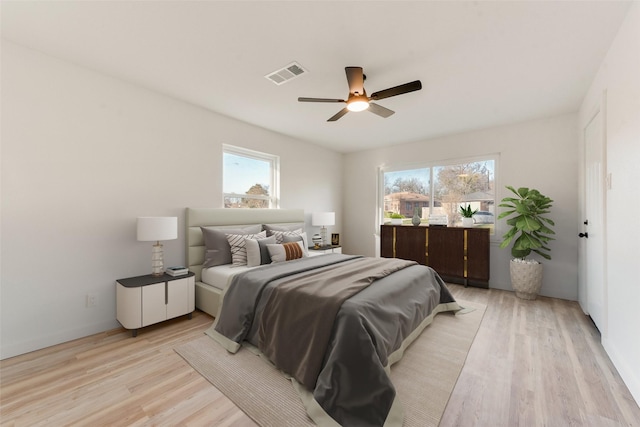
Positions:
{"x": 458, "y": 254}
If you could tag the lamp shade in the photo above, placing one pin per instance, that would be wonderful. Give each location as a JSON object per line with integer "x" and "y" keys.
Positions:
{"x": 323, "y": 218}
{"x": 156, "y": 228}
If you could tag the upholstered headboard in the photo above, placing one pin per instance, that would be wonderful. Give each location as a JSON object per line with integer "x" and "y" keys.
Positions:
{"x": 202, "y": 217}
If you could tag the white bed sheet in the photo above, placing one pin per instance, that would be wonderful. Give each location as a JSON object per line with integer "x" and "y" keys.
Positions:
{"x": 220, "y": 275}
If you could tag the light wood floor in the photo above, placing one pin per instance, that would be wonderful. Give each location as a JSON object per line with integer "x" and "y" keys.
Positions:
{"x": 533, "y": 363}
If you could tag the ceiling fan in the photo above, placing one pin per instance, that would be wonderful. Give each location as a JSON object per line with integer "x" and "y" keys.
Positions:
{"x": 358, "y": 99}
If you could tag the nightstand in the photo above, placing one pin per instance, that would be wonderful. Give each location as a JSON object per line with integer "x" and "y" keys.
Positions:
{"x": 330, "y": 249}
{"x": 145, "y": 300}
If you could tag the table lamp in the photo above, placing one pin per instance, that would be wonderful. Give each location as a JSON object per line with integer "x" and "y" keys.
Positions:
{"x": 323, "y": 219}
{"x": 156, "y": 228}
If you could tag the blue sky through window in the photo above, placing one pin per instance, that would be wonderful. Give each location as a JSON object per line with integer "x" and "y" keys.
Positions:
{"x": 241, "y": 173}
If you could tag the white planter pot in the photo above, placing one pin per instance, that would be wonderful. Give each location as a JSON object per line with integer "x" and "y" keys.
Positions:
{"x": 396, "y": 221}
{"x": 467, "y": 222}
{"x": 526, "y": 279}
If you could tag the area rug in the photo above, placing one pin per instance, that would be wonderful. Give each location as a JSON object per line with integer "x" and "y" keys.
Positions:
{"x": 424, "y": 378}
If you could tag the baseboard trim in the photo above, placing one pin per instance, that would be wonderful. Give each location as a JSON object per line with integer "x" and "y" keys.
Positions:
{"x": 626, "y": 372}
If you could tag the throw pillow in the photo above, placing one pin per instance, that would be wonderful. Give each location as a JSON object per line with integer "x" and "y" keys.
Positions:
{"x": 238, "y": 247}
{"x": 218, "y": 251}
{"x": 286, "y": 238}
{"x": 286, "y": 251}
{"x": 257, "y": 252}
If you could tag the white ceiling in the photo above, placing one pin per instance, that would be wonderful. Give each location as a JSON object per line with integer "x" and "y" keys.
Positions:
{"x": 481, "y": 63}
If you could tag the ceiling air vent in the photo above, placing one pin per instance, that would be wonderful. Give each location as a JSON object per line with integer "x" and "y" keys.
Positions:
{"x": 287, "y": 73}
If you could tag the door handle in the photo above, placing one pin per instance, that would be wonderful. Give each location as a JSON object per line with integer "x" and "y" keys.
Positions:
{"x": 584, "y": 235}
{"x": 586, "y": 222}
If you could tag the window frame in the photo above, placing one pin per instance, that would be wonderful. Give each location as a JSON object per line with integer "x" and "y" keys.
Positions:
{"x": 274, "y": 172}
{"x": 432, "y": 165}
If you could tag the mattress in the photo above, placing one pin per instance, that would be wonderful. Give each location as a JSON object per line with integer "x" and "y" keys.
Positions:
{"x": 220, "y": 275}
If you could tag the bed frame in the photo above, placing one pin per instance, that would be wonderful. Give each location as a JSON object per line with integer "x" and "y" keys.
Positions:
{"x": 208, "y": 298}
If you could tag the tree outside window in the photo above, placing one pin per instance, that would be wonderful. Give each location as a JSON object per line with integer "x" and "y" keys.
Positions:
{"x": 250, "y": 178}
{"x": 442, "y": 190}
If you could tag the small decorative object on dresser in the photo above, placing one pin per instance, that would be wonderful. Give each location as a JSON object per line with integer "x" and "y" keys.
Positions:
{"x": 396, "y": 218}
{"x": 417, "y": 214}
{"x": 467, "y": 215}
{"x": 438, "y": 220}
{"x": 317, "y": 240}
{"x": 335, "y": 239}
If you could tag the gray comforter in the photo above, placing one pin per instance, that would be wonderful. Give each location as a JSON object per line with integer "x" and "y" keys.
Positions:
{"x": 371, "y": 329}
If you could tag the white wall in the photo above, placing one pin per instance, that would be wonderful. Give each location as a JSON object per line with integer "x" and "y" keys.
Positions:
{"x": 619, "y": 78}
{"x": 539, "y": 154}
{"x": 83, "y": 155}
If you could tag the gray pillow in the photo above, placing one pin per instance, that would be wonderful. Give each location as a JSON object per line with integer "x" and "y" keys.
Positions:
{"x": 285, "y": 226}
{"x": 218, "y": 250}
{"x": 257, "y": 252}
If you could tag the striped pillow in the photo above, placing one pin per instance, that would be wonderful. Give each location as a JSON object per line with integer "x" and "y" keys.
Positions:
{"x": 286, "y": 251}
{"x": 280, "y": 234}
{"x": 238, "y": 247}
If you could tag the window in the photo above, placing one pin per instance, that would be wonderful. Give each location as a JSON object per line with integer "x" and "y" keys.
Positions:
{"x": 250, "y": 179}
{"x": 441, "y": 189}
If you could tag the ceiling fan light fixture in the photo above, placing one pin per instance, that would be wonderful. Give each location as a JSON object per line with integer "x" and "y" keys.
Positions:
{"x": 359, "y": 103}
{"x": 358, "y": 99}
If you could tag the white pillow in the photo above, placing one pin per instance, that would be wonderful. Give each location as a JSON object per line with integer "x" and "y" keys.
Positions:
{"x": 286, "y": 251}
{"x": 238, "y": 247}
{"x": 257, "y": 252}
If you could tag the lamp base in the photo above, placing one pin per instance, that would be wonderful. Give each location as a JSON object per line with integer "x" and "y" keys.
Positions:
{"x": 157, "y": 263}
{"x": 323, "y": 232}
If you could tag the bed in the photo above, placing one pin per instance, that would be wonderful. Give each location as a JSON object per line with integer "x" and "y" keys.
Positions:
{"x": 208, "y": 297}
{"x": 337, "y": 348}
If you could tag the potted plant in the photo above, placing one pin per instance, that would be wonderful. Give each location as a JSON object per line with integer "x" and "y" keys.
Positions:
{"x": 467, "y": 215}
{"x": 531, "y": 230}
{"x": 396, "y": 218}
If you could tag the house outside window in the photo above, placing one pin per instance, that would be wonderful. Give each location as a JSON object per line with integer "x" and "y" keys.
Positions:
{"x": 250, "y": 179}
{"x": 441, "y": 189}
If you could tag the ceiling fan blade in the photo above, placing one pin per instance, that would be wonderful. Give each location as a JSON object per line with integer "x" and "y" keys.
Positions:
{"x": 397, "y": 90}
{"x": 355, "y": 77}
{"x": 380, "y": 110}
{"x": 302, "y": 99}
{"x": 338, "y": 115}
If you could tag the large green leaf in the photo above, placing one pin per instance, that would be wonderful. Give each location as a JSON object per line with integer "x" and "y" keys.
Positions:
{"x": 509, "y": 234}
{"x": 505, "y": 213}
{"x": 542, "y": 254}
{"x": 505, "y": 242}
{"x": 544, "y": 229}
{"x": 548, "y": 221}
{"x": 520, "y": 253}
{"x": 522, "y": 192}
{"x": 527, "y": 223}
{"x": 527, "y": 241}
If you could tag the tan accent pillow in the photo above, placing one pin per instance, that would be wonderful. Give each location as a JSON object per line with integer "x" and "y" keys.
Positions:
{"x": 286, "y": 251}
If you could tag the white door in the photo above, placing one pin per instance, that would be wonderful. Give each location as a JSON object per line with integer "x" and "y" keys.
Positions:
{"x": 593, "y": 231}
